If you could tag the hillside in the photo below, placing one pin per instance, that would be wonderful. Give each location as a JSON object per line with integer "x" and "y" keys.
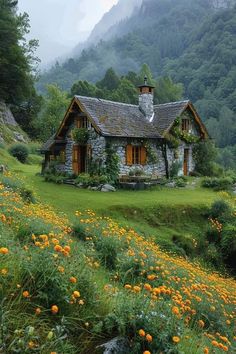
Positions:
{"x": 9, "y": 129}
{"x": 71, "y": 286}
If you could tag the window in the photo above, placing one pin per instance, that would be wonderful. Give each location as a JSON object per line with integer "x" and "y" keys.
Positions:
{"x": 136, "y": 155}
{"x": 82, "y": 122}
{"x": 62, "y": 156}
{"x": 185, "y": 125}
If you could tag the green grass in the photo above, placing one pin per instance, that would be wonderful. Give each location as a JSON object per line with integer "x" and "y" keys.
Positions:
{"x": 161, "y": 212}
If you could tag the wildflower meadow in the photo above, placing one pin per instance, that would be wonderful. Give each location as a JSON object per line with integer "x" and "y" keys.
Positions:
{"x": 69, "y": 286}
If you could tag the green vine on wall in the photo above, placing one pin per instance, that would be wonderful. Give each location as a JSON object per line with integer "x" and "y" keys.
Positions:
{"x": 151, "y": 154}
{"x": 176, "y": 135}
{"x": 112, "y": 163}
{"x": 80, "y": 135}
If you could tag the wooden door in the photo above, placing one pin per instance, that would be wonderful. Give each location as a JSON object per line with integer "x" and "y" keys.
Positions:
{"x": 75, "y": 159}
{"x": 186, "y": 162}
{"x": 79, "y": 159}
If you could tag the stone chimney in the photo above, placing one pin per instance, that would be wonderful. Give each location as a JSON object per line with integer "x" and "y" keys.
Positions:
{"x": 146, "y": 93}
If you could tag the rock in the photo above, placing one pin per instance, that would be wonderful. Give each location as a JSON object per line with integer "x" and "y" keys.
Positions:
{"x": 19, "y": 137}
{"x": 171, "y": 185}
{"x": 117, "y": 345}
{"x": 108, "y": 188}
{"x": 3, "y": 168}
{"x": 94, "y": 188}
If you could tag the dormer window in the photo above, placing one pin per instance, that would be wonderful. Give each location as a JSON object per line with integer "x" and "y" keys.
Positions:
{"x": 185, "y": 125}
{"x": 82, "y": 122}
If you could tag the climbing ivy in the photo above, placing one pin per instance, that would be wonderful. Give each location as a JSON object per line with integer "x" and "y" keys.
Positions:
{"x": 112, "y": 163}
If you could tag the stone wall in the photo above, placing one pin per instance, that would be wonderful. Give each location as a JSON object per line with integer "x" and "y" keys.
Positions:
{"x": 98, "y": 145}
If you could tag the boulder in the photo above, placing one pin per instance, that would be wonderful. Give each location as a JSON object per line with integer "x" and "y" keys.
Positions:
{"x": 108, "y": 188}
{"x": 117, "y": 345}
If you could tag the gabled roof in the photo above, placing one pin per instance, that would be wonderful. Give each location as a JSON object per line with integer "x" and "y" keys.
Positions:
{"x": 166, "y": 114}
{"x": 117, "y": 119}
{"x": 48, "y": 144}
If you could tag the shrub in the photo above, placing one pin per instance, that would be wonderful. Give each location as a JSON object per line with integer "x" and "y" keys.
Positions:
{"x": 217, "y": 184}
{"x": 20, "y": 152}
{"x": 219, "y": 208}
{"x": 228, "y": 245}
{"x": 204, "y": 155}
{"x": 180, "y": 182}
{"x": 174, "y": 169}
{"x": 79, "y": 230}
{"x": 108, "y": 249}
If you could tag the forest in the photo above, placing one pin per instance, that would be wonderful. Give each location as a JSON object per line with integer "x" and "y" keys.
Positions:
{"x": 188, "y": 47}
{"x": 192, "y": 42}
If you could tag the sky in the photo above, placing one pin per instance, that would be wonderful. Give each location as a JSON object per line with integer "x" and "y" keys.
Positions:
{"x": 59, "y": 25}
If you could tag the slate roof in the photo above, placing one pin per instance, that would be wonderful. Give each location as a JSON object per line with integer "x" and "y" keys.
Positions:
{"x": 46, "y": 146}
{"x": 166, "y": 114}
{"x": 118, "y": 119}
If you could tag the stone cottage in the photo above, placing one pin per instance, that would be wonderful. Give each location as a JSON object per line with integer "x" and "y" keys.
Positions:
{"x": 148, "y": 137}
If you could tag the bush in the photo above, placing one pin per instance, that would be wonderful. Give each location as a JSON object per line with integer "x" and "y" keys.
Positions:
{"x": 174, "y": 169}
{"x": 228, "y": 245}
{"x": 180, "y": 182}
{"x": 86, "y": 180}
{"x": 204, "y": 155}
{"x": 218, "y": 184}
{"x": 20, "y": 152}
{"x": 219, "y": 208}
{"x": 79, "y": 230}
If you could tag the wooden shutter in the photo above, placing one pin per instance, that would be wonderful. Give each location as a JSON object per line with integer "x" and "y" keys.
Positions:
{"x": 143, "y": 156}
{"x": 129, "y": 150}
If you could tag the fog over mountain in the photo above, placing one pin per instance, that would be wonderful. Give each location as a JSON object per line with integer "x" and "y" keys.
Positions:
{"x": 60, "y": 25}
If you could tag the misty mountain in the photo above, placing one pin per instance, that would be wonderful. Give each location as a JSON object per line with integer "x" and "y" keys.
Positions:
{"x": 106, "y": 27}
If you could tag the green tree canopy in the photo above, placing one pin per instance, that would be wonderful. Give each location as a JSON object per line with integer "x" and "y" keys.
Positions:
{"x": 53, "y": 109}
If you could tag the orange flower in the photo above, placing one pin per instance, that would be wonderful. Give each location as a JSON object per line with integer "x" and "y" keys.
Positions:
{"x": 73, "y": 280}
{"x": 176, "y": 339}
{"x": 146, "y": 352}
{"x": 206, "y": 350}
{"x": 4, "y": 250}
{"x": 151, "y": 277}
{"x": 142, "y": 333}
{"x": 58, "y": 248}
{"x": 201, "y": 323}
{"x": 175, "y": 310}
{"x": 147, "y": 287}
{"x": 26, "y": 294}
{"x": 127, "y": 286}
{"x": 137, "y": 289}
{"x": 54, "y": 309}
{"x": 37, "y": 311}
{"x": 149, "y": 337}
{"x": 67, "y": 248}
{"x": 53, "y": 353}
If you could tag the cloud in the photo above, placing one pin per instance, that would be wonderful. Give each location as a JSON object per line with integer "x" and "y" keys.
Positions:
{"x": 61, "y": 24}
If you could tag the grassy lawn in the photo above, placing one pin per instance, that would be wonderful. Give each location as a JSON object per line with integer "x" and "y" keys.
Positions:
{"x": 69, "y": 199}
{"x": 160, "y": 212}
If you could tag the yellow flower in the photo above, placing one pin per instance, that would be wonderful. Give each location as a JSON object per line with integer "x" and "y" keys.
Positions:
{"x": 76, "y": 294}
{"x": 54, "y": 309}
{"x": 176, "y": 339}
